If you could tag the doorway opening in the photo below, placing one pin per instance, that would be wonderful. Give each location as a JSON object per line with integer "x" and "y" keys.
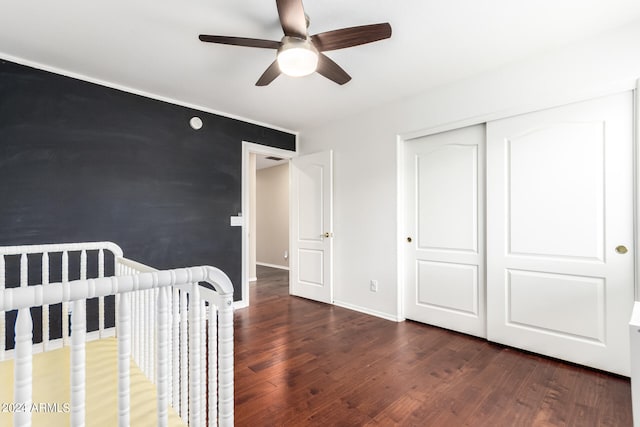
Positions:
{"x": 265, "y": 209}
{"x": 271, "y": 283}
{"x": 270, "y": 241}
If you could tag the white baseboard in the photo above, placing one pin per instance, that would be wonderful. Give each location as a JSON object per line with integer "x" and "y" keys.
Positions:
{"x": 368, "y": 311}
{"x": 265, "y": 264}
{"x": 253, "y": 279}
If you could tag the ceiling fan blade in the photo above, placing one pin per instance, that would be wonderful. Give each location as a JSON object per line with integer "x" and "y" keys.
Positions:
{"x": 353, "y": 36}
{"x": 292, "y": 19}
{"x": 331, "y": 70}
{"x": 240, "y": 41}
{"x": 269, "y": 75}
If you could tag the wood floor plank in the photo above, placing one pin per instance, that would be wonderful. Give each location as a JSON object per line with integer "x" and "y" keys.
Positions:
{"x": 304, "y": 363}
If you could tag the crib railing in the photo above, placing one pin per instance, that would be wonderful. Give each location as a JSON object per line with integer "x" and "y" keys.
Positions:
{"x": 195, "y": 336}
{"x": 178, "y": 332}
{"x": 66, "y": 259}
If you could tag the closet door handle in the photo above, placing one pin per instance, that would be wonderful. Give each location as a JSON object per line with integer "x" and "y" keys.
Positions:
{"x": 622, "y": 249}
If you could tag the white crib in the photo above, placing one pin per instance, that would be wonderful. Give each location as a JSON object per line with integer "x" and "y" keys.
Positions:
{"x": 178, "y": 331}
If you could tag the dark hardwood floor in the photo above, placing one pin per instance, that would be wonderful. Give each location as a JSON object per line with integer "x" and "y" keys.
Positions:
{"x": 299, "y": 362}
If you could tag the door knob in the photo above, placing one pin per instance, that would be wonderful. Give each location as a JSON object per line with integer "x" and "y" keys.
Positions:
{"x": 327, "y": 235}
{"x": 622, "y": 249}
{"x": 409, "y": 239}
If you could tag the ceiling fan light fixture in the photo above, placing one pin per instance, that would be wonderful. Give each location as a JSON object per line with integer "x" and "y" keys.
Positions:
{"x": 298, "y": 53}
{"x": 297, "y": 57}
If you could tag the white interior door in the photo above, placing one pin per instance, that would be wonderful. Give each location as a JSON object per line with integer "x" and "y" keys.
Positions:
{"x": 444, "y": 255}
{"x": 312, "y": 226}
{"x": 559, "y": 224}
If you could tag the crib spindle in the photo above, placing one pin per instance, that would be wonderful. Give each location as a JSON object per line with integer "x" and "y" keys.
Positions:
{"x": 162, "y": 371}
{"x": 24, "y": 270}
{"x": 146, "y": 352}
{"x": 203, "y": 359}
{"x": 175, "y": 347}
{"x": 144, "y": 329}
{"x": 212, "y": 394}
{"x": 65, "y": 305}
{"x": 45, "y": 307}
{"x": 78, "y": 362}
{"x": 151, "y": 332}
{"x": 22, "y": 394}
{"x": 3, "y": 331}
{"x": 194, "y": 357}
{"x": 139, "y": 333}
{"x": 152, "y": 329}
{"x": 134, "y": 335}
{"x": 133, "y": 319}
{"x": 83, "y": 265}
{"x": 184, "y": 375}
{"x": 170, "y": 345}
{"x": 124, "y": 356}
{"x": 101, "y": 299}
{"x": 101, "y": 263}
{"x": 118, "y": 270}
{"x": 225, "y": 365}
{"x": 141, "y": 329}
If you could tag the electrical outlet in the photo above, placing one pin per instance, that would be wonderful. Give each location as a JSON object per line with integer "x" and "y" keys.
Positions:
{"x": 373, "y": 286}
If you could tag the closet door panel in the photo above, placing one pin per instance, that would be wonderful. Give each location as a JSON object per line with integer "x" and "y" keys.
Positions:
{"x": 444, "y": 251}
{"x": 560, "y": 231}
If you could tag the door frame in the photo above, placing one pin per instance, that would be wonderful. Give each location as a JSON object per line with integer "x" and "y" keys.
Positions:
{"x": 247, "y": 149}
{"x": 403, "y": 139}
{"x": 636, "y": 189}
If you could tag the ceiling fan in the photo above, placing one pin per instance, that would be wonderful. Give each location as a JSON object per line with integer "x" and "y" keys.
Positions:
{"x": 300, "y": 54}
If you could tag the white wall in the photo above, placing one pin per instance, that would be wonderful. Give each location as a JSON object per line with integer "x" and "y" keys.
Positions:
{"x": 365, "y": 170}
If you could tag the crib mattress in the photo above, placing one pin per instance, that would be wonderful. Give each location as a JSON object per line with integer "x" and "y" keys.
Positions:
{"x": 51, "y": 389}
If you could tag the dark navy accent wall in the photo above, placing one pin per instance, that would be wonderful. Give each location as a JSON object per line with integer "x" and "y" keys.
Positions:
{"x": 82, "y": 162}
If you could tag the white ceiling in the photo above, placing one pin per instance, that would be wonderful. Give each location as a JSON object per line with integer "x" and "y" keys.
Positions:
{"x": 152, "y": 47}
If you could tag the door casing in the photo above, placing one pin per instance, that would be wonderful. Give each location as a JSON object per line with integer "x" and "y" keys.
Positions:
{"x": 247, "y": 149}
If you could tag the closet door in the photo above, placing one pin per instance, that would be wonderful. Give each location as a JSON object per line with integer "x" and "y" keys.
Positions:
{"x": 560, "y": 265}
{"x": 444, "y": 248}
